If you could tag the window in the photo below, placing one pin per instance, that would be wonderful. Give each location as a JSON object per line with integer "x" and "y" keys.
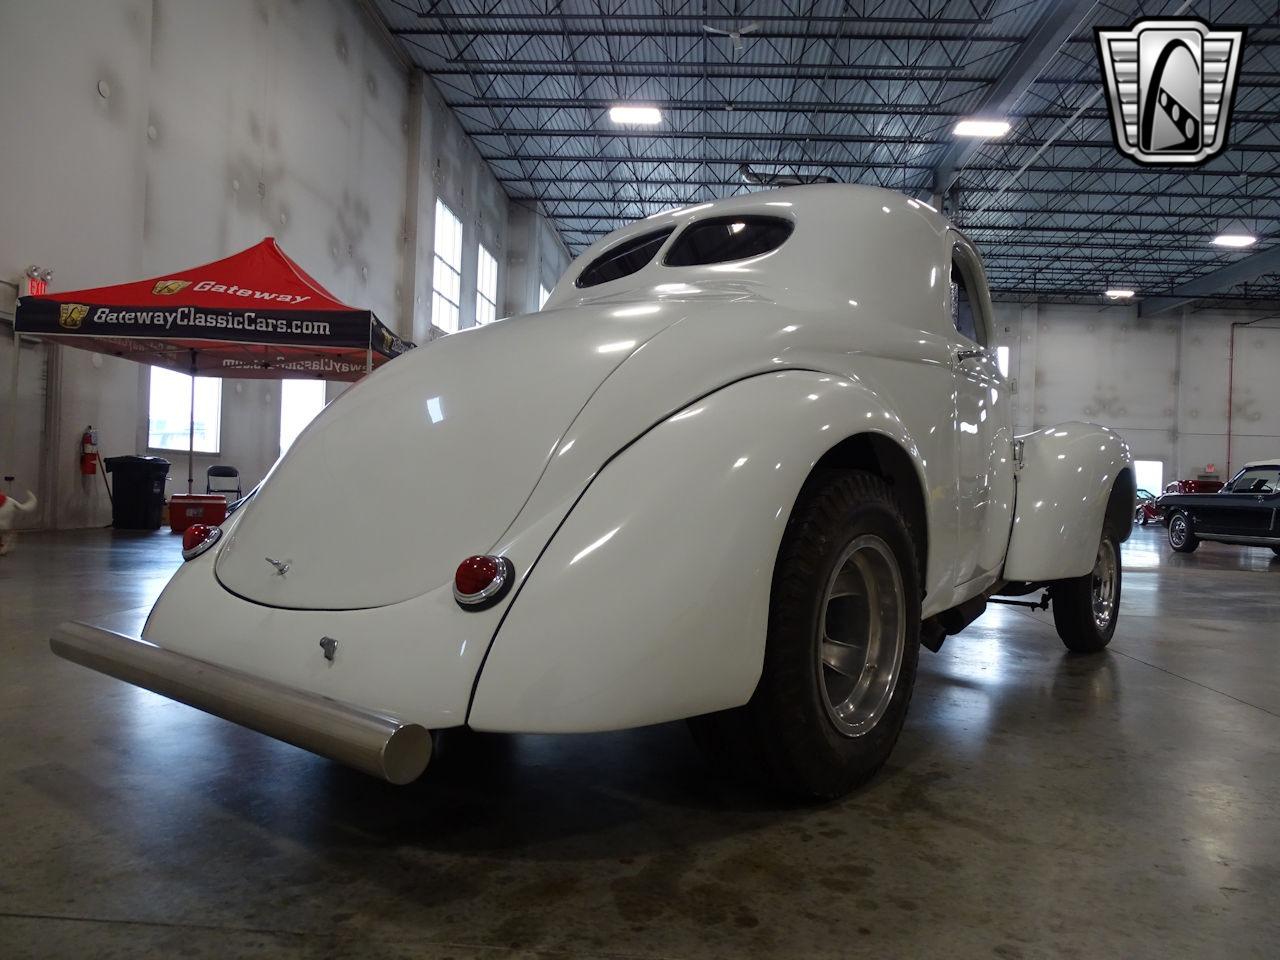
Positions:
{"x": 970, "y": 305}
{"x": 1257, "y": 480}
{"x": 486, "y": 287}
{"x": 1002, "y": 360}
{"x": 962, "y": 314}
{"x": 722, "y": 239}
{"x": 169, "y": 412}
{"x": 543, "y": 293}
{"x": 300, "y": 401}
{"x": 624, "y": 259}
{"x": 1149, "y": 474}
{"x": 447, "y": 278}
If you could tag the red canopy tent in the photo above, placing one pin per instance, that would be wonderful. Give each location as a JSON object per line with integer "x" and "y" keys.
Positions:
{"x": 255, "y": 313}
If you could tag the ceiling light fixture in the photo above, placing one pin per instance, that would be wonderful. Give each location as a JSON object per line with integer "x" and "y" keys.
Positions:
{"x": 641, "y": 115}
{"x": 1118, "y": 294}
{"x": 975, "y": 127}
{"x": 1234, "y": 240}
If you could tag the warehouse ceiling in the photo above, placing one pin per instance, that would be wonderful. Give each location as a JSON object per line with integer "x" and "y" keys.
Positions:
{"x": 868, "y": 92}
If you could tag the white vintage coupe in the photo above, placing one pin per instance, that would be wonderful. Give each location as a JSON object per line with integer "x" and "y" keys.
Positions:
{"x": 749, "y": 457}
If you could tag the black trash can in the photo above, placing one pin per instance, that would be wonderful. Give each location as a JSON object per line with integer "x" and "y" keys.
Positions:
{"x": 137, "y": 495}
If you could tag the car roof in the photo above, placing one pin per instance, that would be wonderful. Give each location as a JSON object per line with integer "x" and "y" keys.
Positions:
{"x": 853, "y": 244}
{"x": 1262, "y": 463}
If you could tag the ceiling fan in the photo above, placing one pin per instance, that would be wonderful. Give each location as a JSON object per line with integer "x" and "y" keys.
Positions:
{"x": 735, "y": 34}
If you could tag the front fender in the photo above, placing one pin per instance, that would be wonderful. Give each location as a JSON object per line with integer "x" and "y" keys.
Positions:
{"x": 1065, "y": 484}
{"x": 651, "y": 601}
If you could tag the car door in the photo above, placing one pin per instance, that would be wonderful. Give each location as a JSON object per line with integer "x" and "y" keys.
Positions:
{"x": 983, "y": 424}
{"x": 1248, "y": 509}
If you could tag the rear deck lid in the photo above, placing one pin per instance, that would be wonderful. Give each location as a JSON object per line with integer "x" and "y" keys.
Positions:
{"x": 424, "y": 463}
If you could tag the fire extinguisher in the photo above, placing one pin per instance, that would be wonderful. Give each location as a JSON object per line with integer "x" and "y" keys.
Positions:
{"x": 89, "y": 452}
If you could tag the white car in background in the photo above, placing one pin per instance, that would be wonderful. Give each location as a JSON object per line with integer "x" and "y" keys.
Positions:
{"x": 748, "y": 459}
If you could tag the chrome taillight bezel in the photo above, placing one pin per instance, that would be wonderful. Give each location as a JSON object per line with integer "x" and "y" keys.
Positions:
{"x": 214, "y": 535}
{"x": 496, "y": 589}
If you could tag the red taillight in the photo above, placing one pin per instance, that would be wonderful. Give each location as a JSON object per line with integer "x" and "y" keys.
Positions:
{"x": 198, "y": 538}
{"x": 482, "y": 581}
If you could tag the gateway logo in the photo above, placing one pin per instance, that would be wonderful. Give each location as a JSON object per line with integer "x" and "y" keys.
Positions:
{"x": 238, "y": 291}
{"x": 1170, "y": 87}
{"x": 71, "y": 315}
{"x": 167, "y": 288}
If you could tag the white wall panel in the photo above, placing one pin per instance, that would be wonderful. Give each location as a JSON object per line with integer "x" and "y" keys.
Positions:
{"x": 224, "y": 122}
{"x": 1256, "y": 394}
{"x": 1162, "y": 381}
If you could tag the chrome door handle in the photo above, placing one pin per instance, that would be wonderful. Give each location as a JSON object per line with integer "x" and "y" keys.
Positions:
{"x": 961, "y": 356}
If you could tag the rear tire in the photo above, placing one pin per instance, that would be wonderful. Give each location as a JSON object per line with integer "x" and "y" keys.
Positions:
{"x": 1181, "y": 537}
{"x": 841, "y": 652}
{"x": 1085, "y": 609}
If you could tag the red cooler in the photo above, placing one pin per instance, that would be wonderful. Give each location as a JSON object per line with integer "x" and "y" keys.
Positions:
{"x": 184, "y": 510}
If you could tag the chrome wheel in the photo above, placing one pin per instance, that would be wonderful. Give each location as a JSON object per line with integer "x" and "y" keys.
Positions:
{"x": 862, "y": 634}
{"x": 1104, "y": 585}
{"x": 1178, "y": 531}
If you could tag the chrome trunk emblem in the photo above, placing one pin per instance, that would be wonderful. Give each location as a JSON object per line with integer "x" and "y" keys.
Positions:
{"x": 282, "y": 566}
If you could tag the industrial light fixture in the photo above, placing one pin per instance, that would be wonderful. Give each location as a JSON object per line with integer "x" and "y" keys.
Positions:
{"x": 1236, "y": 240}
{"x": 977, "y": 127}
{"x": 1234, "y": 234}
{"x": 1118, "y": 293}
{"x": 639, "y": 115}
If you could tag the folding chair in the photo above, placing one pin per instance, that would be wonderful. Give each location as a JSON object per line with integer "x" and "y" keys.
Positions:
{"x": 223, "y": 472}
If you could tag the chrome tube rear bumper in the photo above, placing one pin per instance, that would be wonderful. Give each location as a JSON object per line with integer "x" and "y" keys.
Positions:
{"x": 378, "y": 745}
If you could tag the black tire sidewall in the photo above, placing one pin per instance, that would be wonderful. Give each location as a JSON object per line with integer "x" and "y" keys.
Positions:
{"x": 1073, "y": 606}
{"x": 1189, "y": 540}
{"x": 789, "y": 698}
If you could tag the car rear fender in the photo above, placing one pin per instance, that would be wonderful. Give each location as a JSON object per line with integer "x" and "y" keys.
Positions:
{"x": 1065, "y": 485}
{"x": 651, "y": 601}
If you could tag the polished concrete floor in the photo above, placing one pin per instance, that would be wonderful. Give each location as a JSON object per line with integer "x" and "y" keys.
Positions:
{"x": 1038, "y": 805}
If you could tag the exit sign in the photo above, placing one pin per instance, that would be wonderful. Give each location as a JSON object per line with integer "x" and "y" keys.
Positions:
{"x": 35, "y": 282}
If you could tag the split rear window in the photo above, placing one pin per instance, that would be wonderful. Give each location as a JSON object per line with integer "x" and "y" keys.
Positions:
{"x": 724, "y": 239}
{"x": 715, "y": 240}
{"x": 624, "y": 259}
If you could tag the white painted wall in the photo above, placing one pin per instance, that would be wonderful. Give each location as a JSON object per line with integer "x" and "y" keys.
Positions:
{"x": 221, "y": 123}
{"x": 1162, "y": 382}
{"x": 537, "y": 256}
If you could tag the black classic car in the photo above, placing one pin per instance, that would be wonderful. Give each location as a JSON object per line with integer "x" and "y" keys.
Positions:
{"x": 1245, "y": 511}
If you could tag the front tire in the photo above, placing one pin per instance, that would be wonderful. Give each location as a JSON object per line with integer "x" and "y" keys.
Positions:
{"x": 1085, "y": 609}
{"x": 842, "y": 647}
{"x": 1181, "y": 537}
